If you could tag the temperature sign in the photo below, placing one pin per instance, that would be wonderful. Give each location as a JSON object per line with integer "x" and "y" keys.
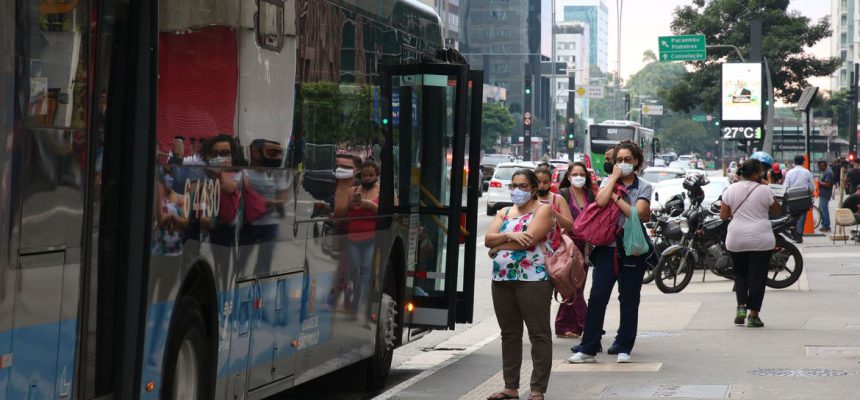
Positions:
{"x": 741, "y": 133}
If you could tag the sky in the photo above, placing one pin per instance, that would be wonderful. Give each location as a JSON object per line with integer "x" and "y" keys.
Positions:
{"x": 644, "y": 20}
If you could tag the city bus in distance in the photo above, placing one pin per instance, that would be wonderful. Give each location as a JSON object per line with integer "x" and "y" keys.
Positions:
{"x": 222, "y": 199}
{"x": 607, "y": 134}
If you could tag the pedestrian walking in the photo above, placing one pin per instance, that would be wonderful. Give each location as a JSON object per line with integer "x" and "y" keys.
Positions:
{"x": 611, "y": 264}
{"x": 521, "y": 287}
{"x": 853, "y": 176}
{"x": 578, "y": 191}
{"x": 825, "y": 192}
{"x": 749, "y": 240}
{"x": 799, "y": 176}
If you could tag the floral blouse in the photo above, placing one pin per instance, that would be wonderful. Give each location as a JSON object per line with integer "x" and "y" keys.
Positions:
{"x": 520, "y": 265}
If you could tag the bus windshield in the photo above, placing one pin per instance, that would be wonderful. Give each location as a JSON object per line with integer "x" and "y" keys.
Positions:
{"x": 604, "y": 137}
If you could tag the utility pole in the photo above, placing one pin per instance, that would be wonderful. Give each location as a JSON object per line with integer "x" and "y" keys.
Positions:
{"x": 571, "y": 116}
{"x": 553, "y": 89}
{"x": 619, "y": 4}
{"x": 852, "y": 110}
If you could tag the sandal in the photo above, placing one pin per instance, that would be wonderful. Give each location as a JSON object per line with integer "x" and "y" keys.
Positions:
{"x": 536, "y": 396}
{"x": 502, "y": 396}
{"x": 568, "y": 335}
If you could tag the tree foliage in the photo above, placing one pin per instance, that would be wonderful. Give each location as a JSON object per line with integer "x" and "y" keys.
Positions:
{"x": 654, "y": 78}
{"x": 727, "y": 22}
{"x": 496, "y": 121}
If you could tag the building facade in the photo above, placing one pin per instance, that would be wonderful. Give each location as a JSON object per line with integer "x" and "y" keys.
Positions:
{"x": 845, "y": 42}
{"x": 595, "y": 15}
{"x": 572, "y": 47}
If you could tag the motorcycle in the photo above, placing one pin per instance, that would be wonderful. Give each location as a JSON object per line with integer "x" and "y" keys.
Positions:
{"x": 663, "y": 229}
{"x": 702, "y": 245}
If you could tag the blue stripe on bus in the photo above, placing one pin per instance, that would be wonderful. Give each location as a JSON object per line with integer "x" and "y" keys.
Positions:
{"x": 42, "y": 363}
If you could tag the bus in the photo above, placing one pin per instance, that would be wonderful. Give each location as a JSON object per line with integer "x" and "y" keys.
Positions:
{"x": 607, "y": 134}
{"x": 222, "y": 199}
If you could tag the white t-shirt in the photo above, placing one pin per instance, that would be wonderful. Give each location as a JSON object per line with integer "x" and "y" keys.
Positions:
{"x": 268, "y": 184}
{"x": 750, "y": 228}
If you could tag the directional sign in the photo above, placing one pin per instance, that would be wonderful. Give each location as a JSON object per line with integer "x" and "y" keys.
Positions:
{"x": 652, "y": 109}
{"x": 682, "y": 48}
{"x": 700, "y": 118}
{"x": 590, "y": 91}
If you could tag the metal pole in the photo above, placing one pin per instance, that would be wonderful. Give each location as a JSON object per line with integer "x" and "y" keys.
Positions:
{"x": 852, "y": 119}
{"x": 809, "y": 138}
{"x": 552, "y": 114}
{"x": 620, "y": 5}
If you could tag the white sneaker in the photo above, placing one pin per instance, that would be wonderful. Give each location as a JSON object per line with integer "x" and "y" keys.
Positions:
{"x": 623, "y": 358}
{"x": 581, "y": 358}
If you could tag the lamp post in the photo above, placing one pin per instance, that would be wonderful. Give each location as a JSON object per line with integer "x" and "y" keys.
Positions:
{"x": 619, "y": 4}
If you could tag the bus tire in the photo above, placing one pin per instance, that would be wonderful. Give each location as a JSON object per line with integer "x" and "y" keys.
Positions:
{"x": 378, "y": 366}
{"x": 188, "y": 359}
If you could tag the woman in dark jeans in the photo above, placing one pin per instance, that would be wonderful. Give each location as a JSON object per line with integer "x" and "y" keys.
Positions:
{"x": 578, "y": 191}
{"x": 749, "y": 240}
{"x": 611, "y": 264}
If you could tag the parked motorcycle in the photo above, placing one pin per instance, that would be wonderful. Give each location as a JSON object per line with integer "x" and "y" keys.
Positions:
{"x": 703, "y": 245}
{"x": 664, "y": 229}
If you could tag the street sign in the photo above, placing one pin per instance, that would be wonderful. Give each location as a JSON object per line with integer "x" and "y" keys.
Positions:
{"x": 651, "y": 109}
{"x": 590, "y": 91}
{"x": 700, "y": 118}
{"x": 682, "y": 48}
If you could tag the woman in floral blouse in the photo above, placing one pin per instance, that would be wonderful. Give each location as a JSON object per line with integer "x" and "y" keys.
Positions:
{"x": 521, "y": 287}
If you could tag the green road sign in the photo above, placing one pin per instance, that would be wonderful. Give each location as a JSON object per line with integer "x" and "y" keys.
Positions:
{"x": 700, "y": 118}
{"x": 682, "y": 48}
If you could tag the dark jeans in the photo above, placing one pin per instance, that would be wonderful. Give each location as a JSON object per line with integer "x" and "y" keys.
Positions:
{"x": 750, "y": 275}
{"x": 630, "y": 273}
{"x": 824, "y": 206}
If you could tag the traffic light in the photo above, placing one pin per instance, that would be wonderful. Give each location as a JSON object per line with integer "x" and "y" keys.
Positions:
{"x": 716, "y": 123}
{"x": 570, "y": 135}
{"x": 528, "y": 86}
{"x": 852, "y": 155}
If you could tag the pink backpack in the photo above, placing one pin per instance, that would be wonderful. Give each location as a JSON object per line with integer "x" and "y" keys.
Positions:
{"x": 566, "y": 267}
{"x": 596, "y": 225}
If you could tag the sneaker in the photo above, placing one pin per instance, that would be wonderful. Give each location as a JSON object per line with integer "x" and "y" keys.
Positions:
{"x": 824, "y": 230}
{"x": 581, "y": 358}
{"x": 623, "y": 358}
{"x": 740, "y": 316}
{"x": 754, "y": 322}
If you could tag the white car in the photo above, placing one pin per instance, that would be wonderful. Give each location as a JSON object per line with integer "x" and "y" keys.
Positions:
{"x": 659, "y": 174}
{"x": 498, "y": 194}
{"x": 668, "y": 188}
{"x": 687, "y": 158}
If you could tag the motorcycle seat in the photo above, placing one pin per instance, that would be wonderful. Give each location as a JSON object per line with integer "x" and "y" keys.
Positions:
{"x": 780, "y": 221}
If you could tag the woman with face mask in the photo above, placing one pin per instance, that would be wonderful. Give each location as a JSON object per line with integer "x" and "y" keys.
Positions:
{"x": 560, "y": 212}
{"x": 521, "y": 288}
{"x": 361, "y": 227}
{"x": 171, "y": 219}
{"x": 611, "y": 263}
{"x": 577, "y": 190}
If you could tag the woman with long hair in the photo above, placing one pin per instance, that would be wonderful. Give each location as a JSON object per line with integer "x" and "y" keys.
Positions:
{"x": 521, "y": 288}
{"x": 578, "y": 191}
{"x": 611, "y": 264}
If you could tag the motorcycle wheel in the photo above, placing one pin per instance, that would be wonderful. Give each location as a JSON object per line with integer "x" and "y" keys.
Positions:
{"x": 786, "y": 265}
{"x": 649, "y": 268}
{"x": 674, "y": 272}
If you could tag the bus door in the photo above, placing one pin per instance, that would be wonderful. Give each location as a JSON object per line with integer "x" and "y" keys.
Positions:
{"x": 424, "y": 114}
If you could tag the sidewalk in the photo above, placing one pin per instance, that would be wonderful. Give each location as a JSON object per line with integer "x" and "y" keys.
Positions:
{"x": 688, "y": 346}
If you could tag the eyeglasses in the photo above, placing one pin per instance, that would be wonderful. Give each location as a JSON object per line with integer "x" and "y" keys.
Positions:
{"x": 620, "y": 160}
{"x": 220, "y": 153}
{"x": 521, "y": 186}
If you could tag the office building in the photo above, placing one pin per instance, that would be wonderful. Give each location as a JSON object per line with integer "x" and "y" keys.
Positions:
{"x": 845, "y": 42}
{"x": 572, "y": 47}
{"x": 595, "y": 15}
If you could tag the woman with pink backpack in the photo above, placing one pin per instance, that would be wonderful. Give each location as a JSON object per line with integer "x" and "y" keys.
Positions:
{"x": 578, "y": 191}
{"x": 622, "y": 195}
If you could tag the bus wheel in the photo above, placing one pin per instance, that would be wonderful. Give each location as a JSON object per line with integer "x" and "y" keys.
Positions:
{"x": 379, "y": 365}
{"x": 188, "y": 361}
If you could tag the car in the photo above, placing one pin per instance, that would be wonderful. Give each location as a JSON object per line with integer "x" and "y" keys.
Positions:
{"x": 679, "y": 164}
{"x": 659, "y": 162}
{"x": 498, "y": 194}
{"x": 659, "y": 174}
{"x": 664, "y": 190}
{"x": 488, "y": 163}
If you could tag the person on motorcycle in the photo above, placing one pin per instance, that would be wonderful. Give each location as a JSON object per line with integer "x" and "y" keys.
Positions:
{"x": 749, "y": 239}
{"x": 775, "y": 175}
{"x": 766, "y": 162}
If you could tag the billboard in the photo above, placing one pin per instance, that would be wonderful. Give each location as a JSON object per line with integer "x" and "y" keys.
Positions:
{"x": 741, "y": 94}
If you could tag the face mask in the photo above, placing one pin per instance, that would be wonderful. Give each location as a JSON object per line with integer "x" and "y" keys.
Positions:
{"x": 542, "y": 192}
{"x": 577, "y": 181}
{"x": 626, "y": 168}
{"x": 168, "y": 181}
{"x": 218, "y": 161}
{"x": 607, "y": 167}
{"x": 520, "y": 197}
{"x": 367, "y": 185}
{"x": 343, "y": 173}
{"x": 269, "y": 162}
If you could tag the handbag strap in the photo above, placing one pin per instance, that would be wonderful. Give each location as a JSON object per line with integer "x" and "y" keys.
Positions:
{"x": 745, "y": 199}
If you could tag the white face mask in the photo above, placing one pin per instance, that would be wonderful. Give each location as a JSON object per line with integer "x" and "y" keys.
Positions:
{"x": 626, "y": 168}
{"x": 577, "y": 181}
{"x": 218, "y": 161}
{"x": 343, "y": 173}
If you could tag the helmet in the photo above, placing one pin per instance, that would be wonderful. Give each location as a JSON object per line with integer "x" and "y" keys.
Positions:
{"x": 763, "y": 157}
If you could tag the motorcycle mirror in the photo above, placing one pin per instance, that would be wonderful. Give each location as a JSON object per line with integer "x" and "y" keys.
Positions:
{"x": 656, "y": 196}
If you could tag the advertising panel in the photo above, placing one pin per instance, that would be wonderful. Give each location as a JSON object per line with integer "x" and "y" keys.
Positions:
{"x": 741, "y": 95}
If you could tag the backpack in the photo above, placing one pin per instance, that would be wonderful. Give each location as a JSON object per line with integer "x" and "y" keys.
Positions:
{"x": 598, "y": 225}
{"x": 566, "y": 268}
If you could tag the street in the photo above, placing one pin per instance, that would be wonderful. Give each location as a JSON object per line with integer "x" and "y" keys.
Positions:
{"x": 687, "y": 345}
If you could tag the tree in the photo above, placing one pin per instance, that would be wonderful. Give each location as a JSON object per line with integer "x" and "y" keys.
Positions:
{"x": 685, "y": 136}
{"x": 834, "y": 105}
{"x": 727, "y": 22}
{"x": 654, "y": 78}
{"x": 496, "y": 121}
